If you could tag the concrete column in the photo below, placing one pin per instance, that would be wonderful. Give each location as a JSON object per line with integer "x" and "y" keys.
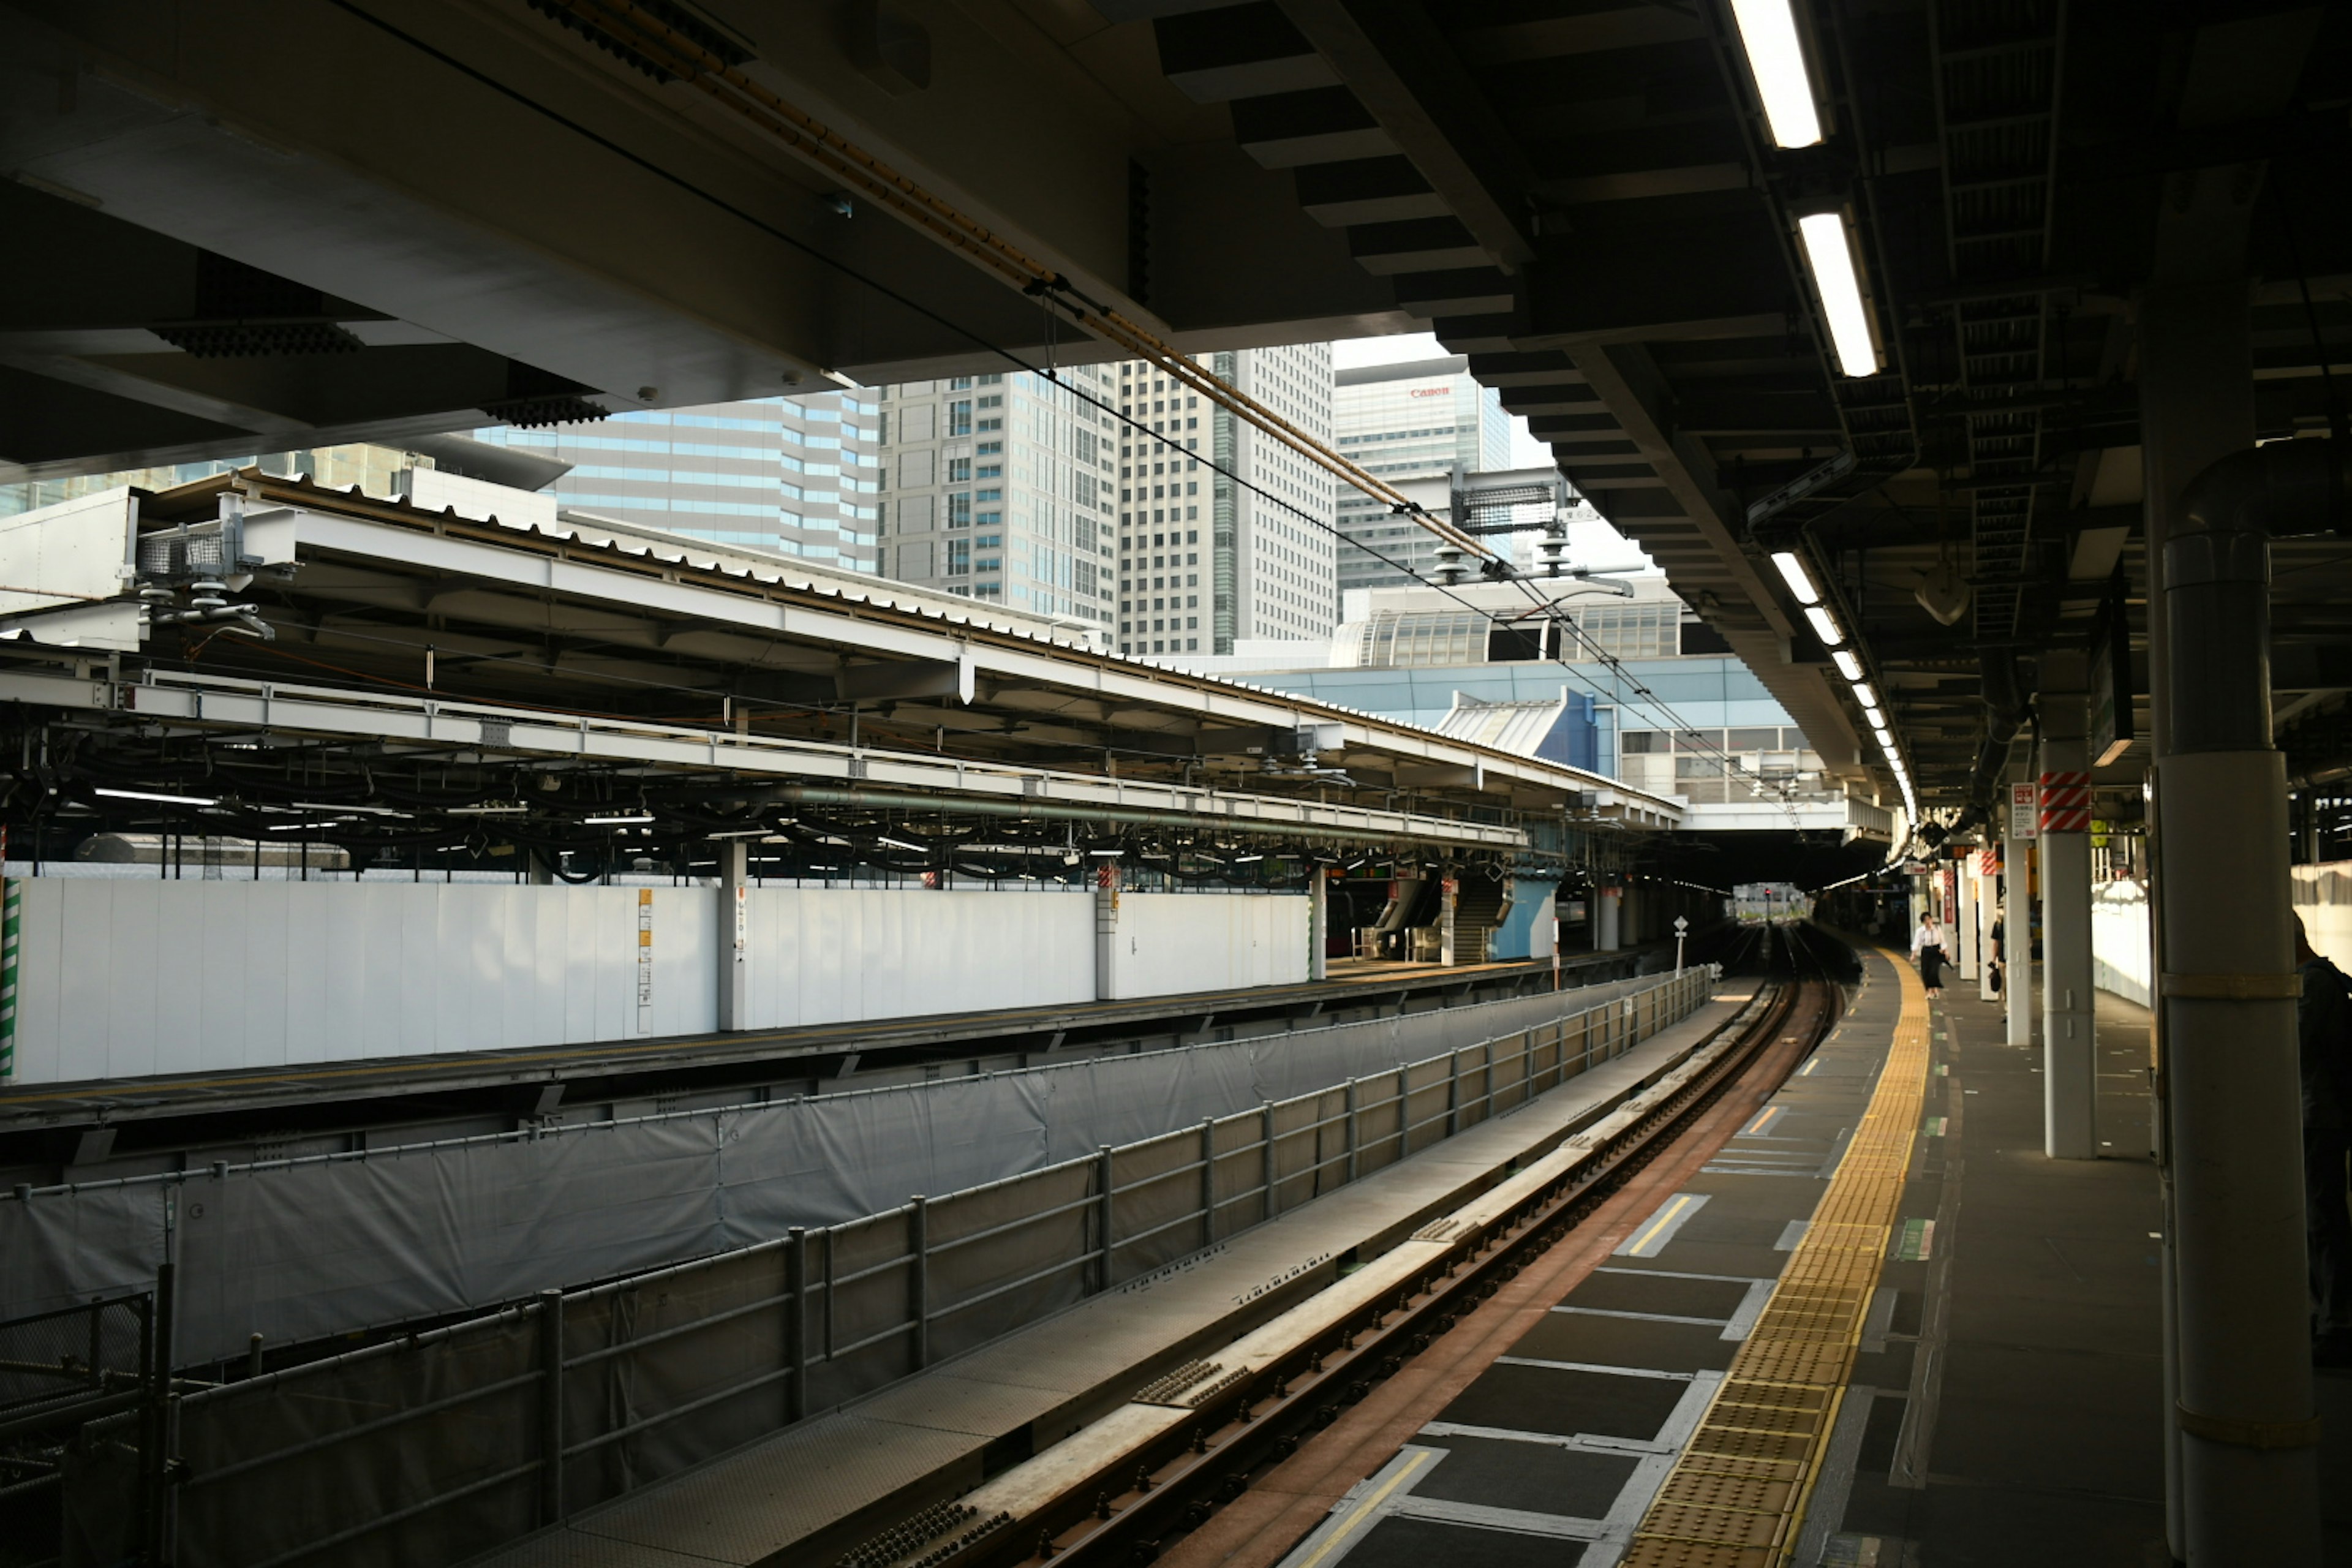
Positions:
{"x": 1447, "y": 891}
{"x": 1987, "y": 911}
{"x": 2239, "y": 1377}
{"x": 1318, "y": 923}
{"x": 734, "y": 935}
{"x": 1607, "y": 908}
{"x": 1107, "y": 933}
{"x": 2017, "y": 926}
{"x": 2070, "y": 1057}
{"x": 1963, "y": 918}
{"x": 539, "y": 870}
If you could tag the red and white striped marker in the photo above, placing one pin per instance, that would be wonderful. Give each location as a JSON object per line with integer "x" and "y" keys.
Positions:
{"x": 1989, "y": 862}
{"x": 2067, "y": 802}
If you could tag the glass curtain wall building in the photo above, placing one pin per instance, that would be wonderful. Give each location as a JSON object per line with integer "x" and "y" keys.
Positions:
{"x": 999, "y": 487}
{"x": 1204, "y": 560}
{"x": 1417, "y": 420}
{"x": 799, "y": 475}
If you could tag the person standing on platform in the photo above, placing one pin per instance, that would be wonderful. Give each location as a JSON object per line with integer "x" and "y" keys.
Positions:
{"x": 2323, "y": 1019}
{"x": 1927, "y": 950}
{"x": 1993, "y": 958}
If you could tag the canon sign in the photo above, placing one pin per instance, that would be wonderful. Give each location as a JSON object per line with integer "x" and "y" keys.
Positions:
{"x": 1433, "y": 392}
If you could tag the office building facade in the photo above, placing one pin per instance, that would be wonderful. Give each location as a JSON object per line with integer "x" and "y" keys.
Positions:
{"x": 798, "y": 474}
{"x": 1225, "y": 533}
{"x": 1417, "y": 420}
{"x": 999, "y": 488}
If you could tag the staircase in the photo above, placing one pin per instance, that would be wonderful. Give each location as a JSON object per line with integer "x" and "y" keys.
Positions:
{"x": 1478, "y": 911}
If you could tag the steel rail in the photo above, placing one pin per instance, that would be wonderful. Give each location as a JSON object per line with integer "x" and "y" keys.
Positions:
{"x": 1108, "y": 1514}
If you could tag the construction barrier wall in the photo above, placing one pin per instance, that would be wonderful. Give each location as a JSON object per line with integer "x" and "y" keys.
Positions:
{"x": 128, "y": 978}
{"x": 428, "y": 1450}
{"x": 297, "y": 1249}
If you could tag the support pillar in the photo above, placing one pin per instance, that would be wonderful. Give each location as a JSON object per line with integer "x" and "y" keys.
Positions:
{"x": 734, "y": 935}
{"x": 2017, "y": 926}
{"x": 1448, "y": 890}
{"x": 1605, "y": 912}
{"x": 539, "y": 870}
{"x": 1107, "y": 933}
{"x": 1987, "y": 911}
{"x": 1318, "y": 924}
{"x": 1964, "y": 917}
{"x": 2070, "y": 1057}
{"x": 2244, "y": 1473}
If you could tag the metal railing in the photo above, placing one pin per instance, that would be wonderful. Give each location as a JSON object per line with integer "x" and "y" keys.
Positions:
{"x": 434, "y": 1449}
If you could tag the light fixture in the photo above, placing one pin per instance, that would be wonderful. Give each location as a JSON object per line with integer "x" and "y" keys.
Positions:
{"x": 1106, "y": 854}
{"x": 614, "y": 821}
{"x": 1245, "y": 859}
{"x": 1830, "y": 258}
{"x": 1874, "y": 718}
{"x": 1801, "y": 582}
{"x": 901, "y": 844}
{"x": 1825, "y": 626}
{"x": 1847, "y": 664}
{"x": 1864, "y": 695}
{"x": 1768, "y": 31}
{"x": 158, "y": 799}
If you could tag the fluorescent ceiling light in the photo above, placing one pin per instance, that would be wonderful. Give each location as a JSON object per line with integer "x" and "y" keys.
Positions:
{"x": 158, "y": 799}
{"x": 1831, "y": 260}
{"x": 1864, "y": 695}
{"x": 1801, "y": 582}
{"x": 893, "y": 843}
{"x": 1825, "y": 626}
{"x": 1874, "y": 718}
{"x": 1245, "y": 859}
{"x": 1107, "y": 854}
{"x": 613, "y": 821}
{"x": 1768, "y": 31}
{"x": 1848, "y": 665}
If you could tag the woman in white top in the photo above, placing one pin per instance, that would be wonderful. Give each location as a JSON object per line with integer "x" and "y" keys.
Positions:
{"x": 1928, "y": 948}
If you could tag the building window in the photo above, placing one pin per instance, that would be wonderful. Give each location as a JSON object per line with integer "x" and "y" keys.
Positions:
{"x": 959, "y": 557}
{"x": 960, "y": 510}
{"x": 959, "y": 418}
{"x": 991, "y": 424}
{"x": 961, "y": 383}
{"x": 959, "y": 470}
{"x": 997, "y": 402}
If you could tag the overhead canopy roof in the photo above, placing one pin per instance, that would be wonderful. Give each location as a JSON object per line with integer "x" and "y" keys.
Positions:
{"x": 522, "y": 652}
{"x": 1580, "y": 197}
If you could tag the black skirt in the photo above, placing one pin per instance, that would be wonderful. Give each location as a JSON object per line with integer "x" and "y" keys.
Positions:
{"x": 1931, "y": 967}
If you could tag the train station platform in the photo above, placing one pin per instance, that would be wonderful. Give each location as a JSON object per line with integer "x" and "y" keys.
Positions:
{"x": 669, "y": 1065}
{"x": 1985, "y": 1385}
{"x": 815, "y": 1490}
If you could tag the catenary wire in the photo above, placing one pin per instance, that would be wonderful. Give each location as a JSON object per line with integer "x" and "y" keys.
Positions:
{"x": 1723, "y": 758}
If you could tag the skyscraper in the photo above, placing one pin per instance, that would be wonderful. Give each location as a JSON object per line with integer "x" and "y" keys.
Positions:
{"x": 999, "y": 488}
{"x": 1410, "y": 421}
{"x": 1204, "y": 561}
{"x": 798, "y": 474}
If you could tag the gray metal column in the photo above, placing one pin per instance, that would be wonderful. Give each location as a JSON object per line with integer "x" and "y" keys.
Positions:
{"x": 1318, "y": 924}
{"x": 2017, "y": 922}
{"x": 1106, "y": 935}
{"x": 2248, "y": 1488}
{"x": 1964, "y": 918}
{"x": 1987, "y": 911}
{"x": 1448, "y": 891}
{"x": 734, "y": 935}
{"x": 2070, "y": 1065}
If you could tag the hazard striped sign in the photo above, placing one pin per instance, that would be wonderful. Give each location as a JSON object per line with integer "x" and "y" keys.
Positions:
{"x": 2067, "y": 802}
{"x": 1988, "y": 861}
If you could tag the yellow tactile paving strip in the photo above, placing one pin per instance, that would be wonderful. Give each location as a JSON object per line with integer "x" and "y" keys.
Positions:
{"x": 1736, "y": 1496}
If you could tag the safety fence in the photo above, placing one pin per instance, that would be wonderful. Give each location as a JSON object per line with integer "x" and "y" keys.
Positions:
{"x": 433, "y": 1449}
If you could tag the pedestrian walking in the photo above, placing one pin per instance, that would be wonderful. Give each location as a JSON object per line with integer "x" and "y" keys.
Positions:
{"x": 1927, "y": 952}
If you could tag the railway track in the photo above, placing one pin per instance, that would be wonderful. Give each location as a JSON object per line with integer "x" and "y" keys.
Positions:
{"x": 1135, "y": 1483}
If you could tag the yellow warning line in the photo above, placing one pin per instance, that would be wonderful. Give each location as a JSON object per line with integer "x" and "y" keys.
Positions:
{"x": 1736, "y": 1498}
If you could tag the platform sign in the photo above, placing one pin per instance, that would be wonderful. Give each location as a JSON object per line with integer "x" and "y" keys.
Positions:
{"x": 2025, "y": 811}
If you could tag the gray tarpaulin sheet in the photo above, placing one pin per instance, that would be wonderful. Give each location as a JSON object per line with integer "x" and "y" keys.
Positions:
{"x": 295, "y": 1250}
